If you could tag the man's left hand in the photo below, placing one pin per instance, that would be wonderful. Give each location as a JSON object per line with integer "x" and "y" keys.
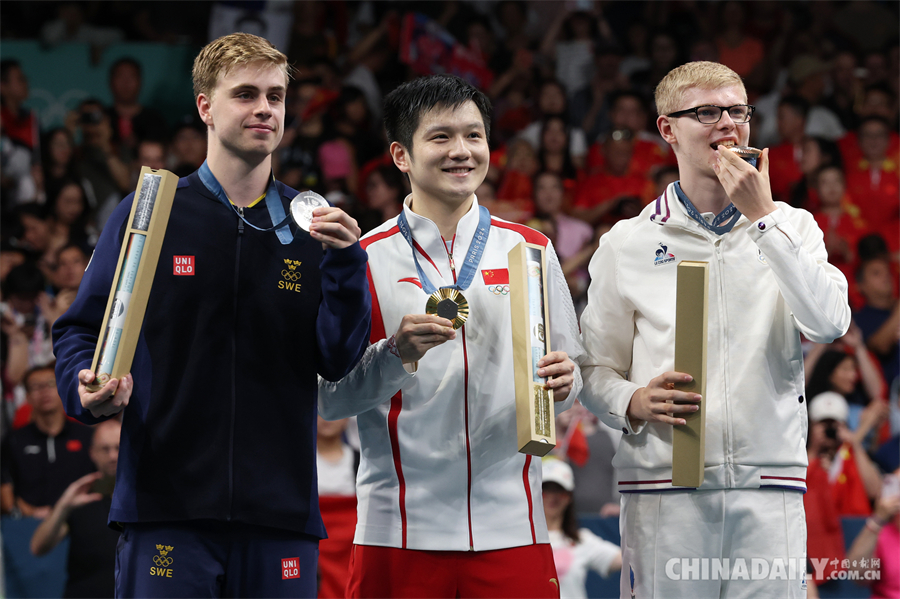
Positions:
{"x": 747, "y": 188}
{"x": 558, "y": 365}
{"x": 334, "y": 228}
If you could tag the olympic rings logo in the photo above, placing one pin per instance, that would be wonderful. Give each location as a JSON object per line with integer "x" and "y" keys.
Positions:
{"x": 162, "y": 561}
{"x": 290, "y": 275}
{"x": 499, "y": 289}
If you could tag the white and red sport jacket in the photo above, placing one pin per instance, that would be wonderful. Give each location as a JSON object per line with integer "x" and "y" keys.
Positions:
{"x": 439, "y": 465}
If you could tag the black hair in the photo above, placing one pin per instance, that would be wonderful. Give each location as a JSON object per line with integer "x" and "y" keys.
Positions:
{"x": 38, "y": 211}
{"x": 819, "y": 380}
{"x": 870, "y": 247}
{"x": 878, "y": 119}
{"x": 627, "y": 93}
{"x": 6, "y": 65}
{"x": 26, "y": 279}
{"x": 404, "y": 107}
{"x": 569, "y": 519}
{"x": 51, "y": 366}
{"x": 860, "y": 272}
{"x": 392, "y": 177}
{"x": 126, "y": 60}
{"x": 799, "y": 104}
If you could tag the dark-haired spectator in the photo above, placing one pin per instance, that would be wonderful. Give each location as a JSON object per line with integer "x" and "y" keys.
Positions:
{"x": 352, "y": 120}
{"x": 105, "y": 175}
{"x": 569, "y": 42}
{"x": 877, "y": 101}
{"x": 806, "y": 78}
{"x": 553, "y": 151}
{"x": 576, "y": 551}
{"x": 58, "y": 160}
{"x": 80, "y": 515}
{"x": 816, "y": 153}
{"x": 552, "y": 102}
{"x": 24, "y": 325}
{"x": 187, "y": 150}
{"x": 879, "y": 317}
{"x": 150, "y": 152}
{"x": 40, "y": 236}
{"x": 838, "y": 218}
{"x": 874, "y": 181}
{"x": 19, "y": 123}
{"x": 785, "y": 158}
{"x": 878, "y": 542}
{"x": 71, "y": 25}
{"x": 385, "y": 191}
{"x": 664, "y": 56}
{"x": 738, "y": 50}
{"x": 846, "y": 367}
{"x": 514, "y": 193}
{"x": 71, "y": 215}
{"x": 628, "y": 112}
{"x": 71, "y": 262}
{"x": 613, "y": 193}
{"x": 846, "y": 89}
{"x": 131, "y": 121}
{"x": 572, "y": 236}
{"x": 41, "y": 459}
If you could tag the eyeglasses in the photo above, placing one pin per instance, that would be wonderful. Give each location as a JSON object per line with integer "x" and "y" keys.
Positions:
{"x": 710, "y": 114}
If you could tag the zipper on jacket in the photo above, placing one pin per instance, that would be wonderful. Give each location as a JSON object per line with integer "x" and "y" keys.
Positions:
{"x": 723, "y": 309}
{"x": 237, "y": 272}
{"x": 465, "y": 406}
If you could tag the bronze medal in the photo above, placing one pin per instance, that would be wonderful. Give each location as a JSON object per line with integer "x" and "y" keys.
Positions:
{"x": 450, "y": 304}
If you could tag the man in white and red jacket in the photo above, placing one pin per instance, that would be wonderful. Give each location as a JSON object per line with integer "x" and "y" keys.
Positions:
{"x": 447, "y": 505}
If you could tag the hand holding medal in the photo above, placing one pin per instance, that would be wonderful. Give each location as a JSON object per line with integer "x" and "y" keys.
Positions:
{"x": 449, "y": 302}
{"x": 330, "y": 225}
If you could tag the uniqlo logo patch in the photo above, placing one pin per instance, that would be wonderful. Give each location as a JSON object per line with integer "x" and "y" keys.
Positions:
{"x": 183, "y": 266}
{"x": 290, "y": 568}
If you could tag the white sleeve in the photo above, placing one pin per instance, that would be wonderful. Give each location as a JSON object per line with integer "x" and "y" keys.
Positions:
{"x": 598, "y": 552}
{"x": 607, "y": 331}
{"x": 374, "y": 380}
{"x": 814, "y": 290}
{"x": 564, "y": 334}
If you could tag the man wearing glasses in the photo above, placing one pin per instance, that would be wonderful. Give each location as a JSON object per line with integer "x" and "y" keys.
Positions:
{"x": 742, "y": 532}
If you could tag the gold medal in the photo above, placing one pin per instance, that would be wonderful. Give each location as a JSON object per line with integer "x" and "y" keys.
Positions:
{"x": 450, "y": 304}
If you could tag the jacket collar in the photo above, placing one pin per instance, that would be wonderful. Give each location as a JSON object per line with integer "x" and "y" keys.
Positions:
{"x": 668, "y": 211}
{"x": 427, "y": 236}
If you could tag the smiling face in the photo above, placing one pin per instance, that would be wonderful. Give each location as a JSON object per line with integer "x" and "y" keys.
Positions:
{"x": 245, "y": 111}
{"x": 695, "y": 143}
{"x": 449, "y": 156}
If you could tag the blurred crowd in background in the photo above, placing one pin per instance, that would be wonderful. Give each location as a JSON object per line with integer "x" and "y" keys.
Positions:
{"x": 574, "y": 149}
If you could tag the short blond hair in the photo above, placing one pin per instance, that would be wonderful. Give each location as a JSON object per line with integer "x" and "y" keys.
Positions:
{"x": 220, "y": 56}
{"x": 702, "y": 74}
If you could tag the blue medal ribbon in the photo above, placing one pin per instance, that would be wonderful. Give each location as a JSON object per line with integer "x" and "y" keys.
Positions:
{"x": 724, "y": 221}
{"x": 273, "y": 204}
{"x": 473, "y": 256}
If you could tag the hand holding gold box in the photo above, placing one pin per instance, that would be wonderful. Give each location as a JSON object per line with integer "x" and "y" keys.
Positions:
{"x": 138, "y": 258}
{"x": 535, "y": 416}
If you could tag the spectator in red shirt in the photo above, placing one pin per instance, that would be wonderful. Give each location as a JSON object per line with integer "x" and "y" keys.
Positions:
{"x": 785, "y": 158}
{"x": 873, "y": 180}
{"x": 839, "y": 219}
{"x": 19, "y": 123}
{"x": 613, "y": 192}
{"x": 649, "y": 152}
{"x": 835, "y": 449}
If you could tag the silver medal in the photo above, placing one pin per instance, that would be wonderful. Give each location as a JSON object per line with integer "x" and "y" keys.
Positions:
{"x": 303, "y": 205}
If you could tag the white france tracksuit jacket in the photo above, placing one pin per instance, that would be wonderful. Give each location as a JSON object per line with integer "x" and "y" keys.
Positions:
{"x": 439, "y": 466}
{"x": 769, "y": 281}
